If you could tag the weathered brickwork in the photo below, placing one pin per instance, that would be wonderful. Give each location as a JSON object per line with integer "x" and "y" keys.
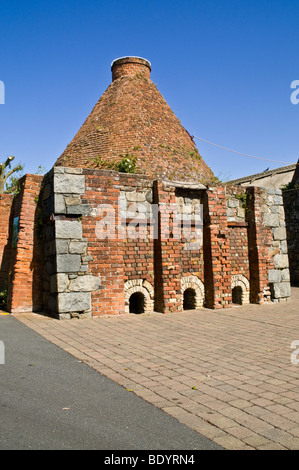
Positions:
{"x": 159, "y": 235}
{"x": 237, "y": 211}
{"x": 133, "y": 119}
{"x": 91, "y": 240}
{"x": 130, "y": 66}
{"x": 216, "y": 249}
{"x": 25, "y": 273}
{"x": 6, "y": 201}
{"x": 136, "y": 196}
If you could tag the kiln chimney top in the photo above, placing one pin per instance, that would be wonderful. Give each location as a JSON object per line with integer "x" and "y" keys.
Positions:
{"x": 130, "y": 66}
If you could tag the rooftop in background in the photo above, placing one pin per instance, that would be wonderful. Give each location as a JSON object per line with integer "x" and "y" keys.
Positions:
{"x": 268, "y": 178}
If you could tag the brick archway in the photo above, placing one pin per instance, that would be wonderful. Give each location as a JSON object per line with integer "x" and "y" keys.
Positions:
{"x": 238, "y": 280}
{"x": 193, "y": 282}
{"x": 143, "y": 287}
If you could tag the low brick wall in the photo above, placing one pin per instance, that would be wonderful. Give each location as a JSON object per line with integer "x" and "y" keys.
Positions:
{"x": 25, "y": 282}
{"x": 6, "y": 201}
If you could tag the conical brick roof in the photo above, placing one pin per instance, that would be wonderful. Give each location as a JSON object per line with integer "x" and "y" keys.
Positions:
{"x": 132, "y": 120}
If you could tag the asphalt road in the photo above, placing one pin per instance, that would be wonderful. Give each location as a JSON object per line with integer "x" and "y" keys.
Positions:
{"x": 51, "y": 401}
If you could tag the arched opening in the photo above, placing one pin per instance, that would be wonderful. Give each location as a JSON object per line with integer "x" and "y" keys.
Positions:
{"x": 189, "y": 301}
{"x": 237, "y": 295}
{"x": 137, "y": 303}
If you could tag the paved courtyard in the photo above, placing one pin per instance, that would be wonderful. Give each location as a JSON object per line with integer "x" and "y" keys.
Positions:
{"x": 226, "y": 374}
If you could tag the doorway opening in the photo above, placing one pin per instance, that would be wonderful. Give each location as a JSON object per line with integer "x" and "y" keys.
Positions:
{"x": 189, "y": 301}
{"x": 237, "y": 294}
{"x": 137, "y": 303}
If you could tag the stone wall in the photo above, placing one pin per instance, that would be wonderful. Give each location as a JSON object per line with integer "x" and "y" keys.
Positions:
{"x": 269, "y": 247}
{"x": 67, "y": 281}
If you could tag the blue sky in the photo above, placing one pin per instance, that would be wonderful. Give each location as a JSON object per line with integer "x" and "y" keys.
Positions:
{"x": 224, "y": 67}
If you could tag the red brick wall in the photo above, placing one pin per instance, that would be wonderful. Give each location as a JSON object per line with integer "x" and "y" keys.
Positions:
{"x": 138, "y": 253}
{"x": 107, "y": 254}
{"x": 238, "y": 230}
{"x": 239, "y": 256}
{"x": 6, "y": 201}
{"x": 216, "y": 250}
{"x": 25, "y": 287}
{"x": 167, "y": 253}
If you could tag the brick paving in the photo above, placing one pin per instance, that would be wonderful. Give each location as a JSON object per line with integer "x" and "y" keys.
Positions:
{"x": 226, "y": 374}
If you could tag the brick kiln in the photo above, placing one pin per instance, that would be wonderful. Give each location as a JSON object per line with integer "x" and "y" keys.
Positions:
{"x": 131, "y": 219}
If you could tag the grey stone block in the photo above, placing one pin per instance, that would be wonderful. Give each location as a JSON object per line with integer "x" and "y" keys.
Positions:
{"x": 281, "y": 289}
{"x": 84, "y": 268}
{"x": 134, "y": 196}
{"x": 61, "y": 246}
{"x": 72, "y": 200}
{"x": 68, "y": 263}
{"x": 279, "y": 233}
{"x": 271, "y": 220}
{"x": 69, "y": 184}
{"x": 285, "y": 275}
{"x": 274, "y": 275}
{"x": 233, "y": 202}
{"x": 281, "y": 261}
{"x": 58, "y": 169}
{"x": 63, "y": 316}
{"x": 149, "y": 197}
{"x": 80, "y": 209}
{"x": 87, "y": 258}
{"x": 74, "y": 171}
{"x": 68, "y": 229}
{"x": 74, "y": 302}
{"x": 59, "y": 282}
{"x": 277, "y": 200}
{"x": 59, "y": 204}
{"x": 241, "y": 212}
{"x": 284, "y": 246}
{"x": 77, "y": 247}
{"x": 86, "y": 283}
